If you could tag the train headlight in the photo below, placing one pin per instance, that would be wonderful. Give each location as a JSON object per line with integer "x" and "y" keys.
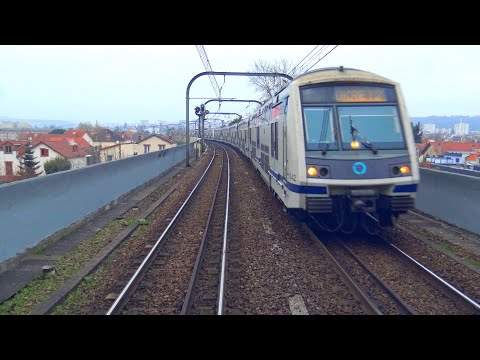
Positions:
{"x": 355, "y": 144}
{"x": 405, "y": 170}
{"x": 312, "y": 171}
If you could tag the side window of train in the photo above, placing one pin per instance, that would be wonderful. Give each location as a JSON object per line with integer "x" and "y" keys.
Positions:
{"x": 284, "y": 105}
{"x": 276, "y": 140}
{"x": 258, "y": 136}
{"x": 272, "y": 139}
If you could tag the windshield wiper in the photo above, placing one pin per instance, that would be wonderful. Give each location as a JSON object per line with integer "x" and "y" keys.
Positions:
{"x": 324, "y": 134}
{"x": 325, "y": 148}
{"x": 365, "y": 142}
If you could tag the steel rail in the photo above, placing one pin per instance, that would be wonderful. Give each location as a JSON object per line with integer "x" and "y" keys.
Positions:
{"x": 402, "y": 306}
{"x": 187, "y": 303}
{"x": 357, "y": 293}
{"x": 224, "y": 250}
{"x": 138, "y": 275}
{"x": 435, "y": 276}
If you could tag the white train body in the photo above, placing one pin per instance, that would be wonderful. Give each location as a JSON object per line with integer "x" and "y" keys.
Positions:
{"x": 351, "y": 126}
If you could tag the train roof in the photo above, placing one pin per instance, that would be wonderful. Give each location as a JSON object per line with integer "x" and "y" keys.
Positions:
{"x": 323, "y": 74}
{"x": 354, "y": 74}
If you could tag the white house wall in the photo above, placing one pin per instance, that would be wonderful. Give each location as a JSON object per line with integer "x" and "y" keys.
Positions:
{"x": 8, "y": 157}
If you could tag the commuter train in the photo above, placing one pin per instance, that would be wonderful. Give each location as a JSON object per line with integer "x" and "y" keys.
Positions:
{"x": 335, "y": 143}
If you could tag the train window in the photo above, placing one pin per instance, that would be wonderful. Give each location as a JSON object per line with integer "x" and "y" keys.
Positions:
{"x": 276, "y": 140}
{"x": 284, "y": 105}
{"x": 258, "y": 136}
{"x": 380, "y": 125}
{"x": 347, "y": 93}
{"x": 319, "y": 130}
{"x": 272, "y": 139}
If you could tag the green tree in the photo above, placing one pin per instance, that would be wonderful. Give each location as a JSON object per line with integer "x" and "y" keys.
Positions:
{"x": 417, "y": 132}
{"x": 57, "y": 131}
{"x": 56, "y": 165}
{"x": 28, "y": 166}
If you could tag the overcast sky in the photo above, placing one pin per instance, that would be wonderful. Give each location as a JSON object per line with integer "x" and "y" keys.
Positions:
{"x": 118, "y": 84}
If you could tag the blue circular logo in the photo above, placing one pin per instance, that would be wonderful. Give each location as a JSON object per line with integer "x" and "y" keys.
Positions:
{"x": 359, "y": 168}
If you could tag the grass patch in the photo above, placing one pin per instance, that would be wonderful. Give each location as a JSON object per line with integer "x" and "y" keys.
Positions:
{"x": 452, "y": 251}
{"x": 128, "y": 222}
{"x": 38, "y": 290}
{"x": 41, "y": 251}
{"x": 473, "y": 262}
{"x": 72, "y": 298}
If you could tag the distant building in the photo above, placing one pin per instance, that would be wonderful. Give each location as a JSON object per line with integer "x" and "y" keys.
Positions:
{"x": 440, "y": 148}
{"x": 455, "y": 158}
{"x": 461, "y": 129}
{"x": 151, "y": 143}
{"x": 429, "y": 128}
{"x": 424, "y": 150}
{"x": 14, "y": 125}
{"x": 474, "y": 158}
{"x": 9, "y": 134}
{"x": 443, "y": 131}
{"x": 80, "y": 134}
{"x": 104, "y": 138}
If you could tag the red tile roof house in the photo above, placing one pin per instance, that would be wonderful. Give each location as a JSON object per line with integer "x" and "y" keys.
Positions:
{"x": 474, "y": 158}
{"x": 45, "y": 147}
{"x": 80, "y": 134}
{"x": 442, "y": 147}
{"x": 424, "y": 150}
{"x": 69, "y": 148}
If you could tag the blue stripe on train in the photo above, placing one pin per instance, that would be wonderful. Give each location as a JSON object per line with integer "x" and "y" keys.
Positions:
{"x": 323, "y": 190}
{"x": 405, "y": 188}
{"x": 301, "y": 189}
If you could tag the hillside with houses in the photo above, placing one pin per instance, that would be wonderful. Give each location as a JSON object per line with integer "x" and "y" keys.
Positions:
{"x": 457, "y": 145}
{"x": 76, "y": 147}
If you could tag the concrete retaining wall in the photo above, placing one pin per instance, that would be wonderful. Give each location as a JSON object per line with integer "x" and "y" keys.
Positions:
{"x": 32, "y": 210}
{"x": 454, "y": 198}
{"x": 475, "y": 173}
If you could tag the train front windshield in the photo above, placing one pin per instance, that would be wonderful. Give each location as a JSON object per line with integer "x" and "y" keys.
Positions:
{"x": 336, "y": 115}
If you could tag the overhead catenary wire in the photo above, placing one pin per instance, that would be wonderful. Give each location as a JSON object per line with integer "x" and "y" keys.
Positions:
{"x": 296, "y": 66}
{"x": 321, "y": 58}
{"x": 314, "y": 56}
{"x": 206, "y": 64}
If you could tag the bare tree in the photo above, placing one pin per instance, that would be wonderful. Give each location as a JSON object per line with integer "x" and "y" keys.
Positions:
{"x": 268, "y": 86}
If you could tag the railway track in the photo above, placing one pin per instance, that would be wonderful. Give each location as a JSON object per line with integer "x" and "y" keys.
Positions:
{"x": 163, "y": 278}
{"x": 206, "y": 295}
{"x": 386, "y": 280}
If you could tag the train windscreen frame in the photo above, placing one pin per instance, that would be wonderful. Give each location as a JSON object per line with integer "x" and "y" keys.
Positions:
{"x": 374, "y": 109}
